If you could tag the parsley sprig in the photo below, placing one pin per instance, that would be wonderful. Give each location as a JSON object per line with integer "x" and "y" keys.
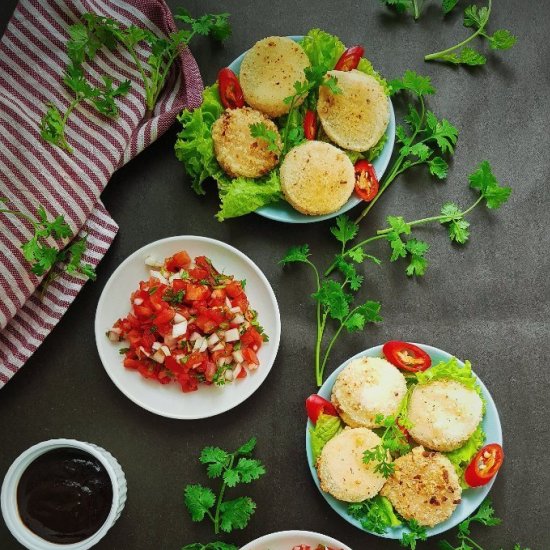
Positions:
{"x": 41, "y": 255}
{"x": 425, "y": 140}
{"x": 334, "y": 290}
{"x": 233, "y": 469}
{"x": 475, "y": 18}
{"x": 94, "y": 32}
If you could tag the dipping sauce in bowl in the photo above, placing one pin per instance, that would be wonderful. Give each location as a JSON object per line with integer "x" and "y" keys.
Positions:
{"x": 65, "y": 495}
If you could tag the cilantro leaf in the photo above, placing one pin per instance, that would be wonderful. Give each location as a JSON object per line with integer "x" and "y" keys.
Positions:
{"x": 216, "y": 459}
{"x": 416, "y": 532}
{"x": 296, "y": 254}
{"x": 249, "y": 469}
{"x": 235, "y": 514}
{"x": 438, "y": 167}
{"x": 333, "y": 298}
{"x": 417, "y": 250}
{"x": 344, "y": 230}
{"x": 502, "y": 40}
{"x": 198, "y": 501}
{"x": 448, "y": 5}
{"x": 486, "y": 183}
{"x": 485, "y": 515}
{"x": 413, "y": 82}
{"x": 270, "y": 137}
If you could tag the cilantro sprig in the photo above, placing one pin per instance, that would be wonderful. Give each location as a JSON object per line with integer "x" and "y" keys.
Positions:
{"x": 475, "y": 18}
{"x": 94, "y": 32}
{"x": 271, "y": 137}
{"x": 335, "y": 289}
{"x": 210, "y": 546}
{"x": 233, "y": 469}
{"x": 414, "y": 7}
{"x": 41, "y": 256}
{"x": 424, "y": 140}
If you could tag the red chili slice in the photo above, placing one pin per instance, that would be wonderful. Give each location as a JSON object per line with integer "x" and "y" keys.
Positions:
{"x": 231, "y": 93}
{"x": 316, "y": 405}
{"x": 349, "y": 60}
{"x": 406, "y": 356}
{"x": 310, "y": 125}
{"x": 366, "y": 182}
{"x": 484, "y": 465}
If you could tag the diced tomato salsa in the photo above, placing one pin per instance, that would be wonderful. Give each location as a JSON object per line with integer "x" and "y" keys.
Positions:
{"x": 308, "y": 547}
{"x": 190, "y": 324}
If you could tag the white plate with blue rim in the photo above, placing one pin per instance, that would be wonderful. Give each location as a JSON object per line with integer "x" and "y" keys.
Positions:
{"x": 471, "y": 498}
{"x": 281, "y": 211}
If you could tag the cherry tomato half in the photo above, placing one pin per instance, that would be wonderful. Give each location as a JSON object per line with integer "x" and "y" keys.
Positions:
{"x": 406, "y": 356}
{"x": 366, "y": 182}
{"x": 316, "y": 405}
{"x": 350, "y": 59}
{"x": 231, "y": 93}
{"x": 484, "y": 465}
{"x": 310, "y": 125}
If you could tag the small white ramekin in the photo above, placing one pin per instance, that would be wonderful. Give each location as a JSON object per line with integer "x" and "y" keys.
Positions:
{"x": 8, "y": 498}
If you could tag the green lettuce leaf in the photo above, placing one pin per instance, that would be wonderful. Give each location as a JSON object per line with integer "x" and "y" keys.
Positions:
{"x": 376, "y": 514}
{"x": 324, "y": 50}
{"x": 194, "y": 145}
{"x": 461, "y": 457}
{"x": 240, "y": 196}
{"x": 327, "y": 427}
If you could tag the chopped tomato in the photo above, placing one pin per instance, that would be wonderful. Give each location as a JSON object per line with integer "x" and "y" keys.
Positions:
{"x": 406, "y": 356}
{"x": 366, "y": 182}
{"x": 231, "y": 93}
{"x": 317, "y": 405}
{"x": 180, "y": 260}
{"x": 198, "y": 274}
{"x": 197, "y": 292}
{"x": 484, "y": 465}
{"x": 143, "y": 312}
{"x": 217, "y": 298}
{"x": 241, "y": 302}
{"x": 164, "y": 316}
{"x": 250, "y": 356}
{"x": 252, "y": 339}
{"x": 310, "y": 125}
{"x": 179, "y": 284}
{"x": 349, "y": 60}
{"x": 234, "y": 289}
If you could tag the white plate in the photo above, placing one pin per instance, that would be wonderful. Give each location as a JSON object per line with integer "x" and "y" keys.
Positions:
{"x": 281, "y": 211}
{"x": 168, "y": 400}
{"x": 286, "y": 540}
{"x": 471, "y": 498}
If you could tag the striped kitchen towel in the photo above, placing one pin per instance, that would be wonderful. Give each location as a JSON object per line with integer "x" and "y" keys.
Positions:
{"x": 32, "y": 172}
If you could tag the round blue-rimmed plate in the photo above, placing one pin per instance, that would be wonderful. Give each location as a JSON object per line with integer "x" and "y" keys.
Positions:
{"x": 282, "y": 211}
{"x": 471, "y": 498}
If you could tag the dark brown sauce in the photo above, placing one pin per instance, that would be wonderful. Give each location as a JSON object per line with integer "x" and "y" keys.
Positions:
{"x": 65, "y": 496}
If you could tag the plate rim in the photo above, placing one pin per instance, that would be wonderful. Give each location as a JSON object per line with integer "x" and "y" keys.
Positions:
{"x": 268, "y": 538}
{"x": 99, "y": 331}
{"x": 347, "y": 206}
{"x": 395, "y": 533}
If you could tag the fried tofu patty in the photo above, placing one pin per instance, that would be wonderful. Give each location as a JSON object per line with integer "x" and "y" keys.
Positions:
{"x": 317, "y": 178}
{"x": 356, "y": 118}
{"x": 238, "y": 153}
{"x": 268, "y": 73}
{"x": 444, "y": 414}
{"x": 424, "y": 487}
{"x": 341, "y": 469}
{"x": 366, "y": 387}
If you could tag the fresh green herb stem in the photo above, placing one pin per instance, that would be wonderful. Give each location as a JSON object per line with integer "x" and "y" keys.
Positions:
{"x": 479, "y": 31}
{"x": 216, "y": 518}
{"x": 416, "y": 9}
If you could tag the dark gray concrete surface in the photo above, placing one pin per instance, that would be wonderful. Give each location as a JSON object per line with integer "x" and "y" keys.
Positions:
{"x": 487, "y": 301}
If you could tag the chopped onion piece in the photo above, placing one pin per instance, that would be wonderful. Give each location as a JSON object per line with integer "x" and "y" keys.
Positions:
{"x": 179, "y": 318}
{"x": 165, "y": 350}
{"x": 158, "y": 356}
{"x": 213, "y": 339}
{"x": 156, "y": 345}
{"x": 237, "y": 370}
{"x": 194, "y": 336}
{"x": 222, "y": 361}
{"x": 228, "y": 375}
{"x": 238, "y": 319}
{"x": 228, "y": 302}
{"x": 142, "y": 350}
{"x": 174, "y": 276}
{"x": 235, "y": 309}
{"x": 179, "y": 329}
{"x": 231, "y": 335}
{"x": 158, "y": 275}
{"x": 151, "y": 261}
{"x": 198, "y": 343}
{"x": 204, "y": 345}
{"x": 113, "y": 336}
{"x": 138, "y": 301}
{"x": 217, "y": 347}
{"x": 238, "y": 356}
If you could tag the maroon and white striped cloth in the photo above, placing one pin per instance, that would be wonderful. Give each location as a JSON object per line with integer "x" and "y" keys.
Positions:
{"x": 32, "y": 172}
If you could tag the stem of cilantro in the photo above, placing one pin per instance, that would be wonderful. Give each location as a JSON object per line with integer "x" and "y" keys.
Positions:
{"x": 396, "y": 169}
{"x": 416, "y": 10}
{"x": 287, "y": 126}
{"x": 141, "y": 72}
{"x": 216, "y": 518}
{"x": 479, "y": 31}
{"x": 34, "y": 223}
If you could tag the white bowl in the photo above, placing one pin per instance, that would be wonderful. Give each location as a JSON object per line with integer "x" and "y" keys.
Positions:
{"x": 286, "y": 540}
{"x": 8, "y": 498}
{"x": 168, "y": 400}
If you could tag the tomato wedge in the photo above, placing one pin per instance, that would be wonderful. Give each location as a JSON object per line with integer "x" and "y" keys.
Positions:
{"x": 406, "y": 356}
{"x": 484, "y": 465}
{"x": 317, "y": 405}
{"x": 310, "y": 125}
{"x": 231, "y": 93}
{"x": 366, "y": 182}
{"x": 349, "y": 60}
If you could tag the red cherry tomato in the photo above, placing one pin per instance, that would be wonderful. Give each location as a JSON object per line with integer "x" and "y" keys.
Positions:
{"x": 310, "y": 125}
{"x": 366, "y": 182}
{"x": 231, "y": 93}
{"x": 484, "y": 465}
{"x": 316, "y": 405}
{"x": 350, "y": 59}
{"x": 406, "y": 356}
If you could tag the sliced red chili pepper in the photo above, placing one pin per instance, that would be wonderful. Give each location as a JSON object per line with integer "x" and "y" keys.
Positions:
{"x": 316, "y": 405}
{"x": 484, "y": 465}
{"x": 231, "y": 93}
{"x": 310, "y": 125}
{"x": 366, "y": 182}
{"x": 406, "y": 356}
{"x": 349, "y": 60}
